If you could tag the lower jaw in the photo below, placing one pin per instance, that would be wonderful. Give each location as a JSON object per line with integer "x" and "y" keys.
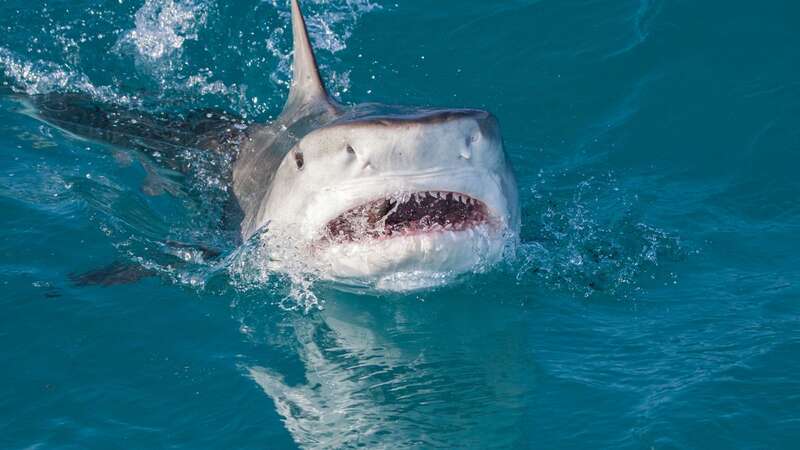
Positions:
{"x": 411, "y": 262}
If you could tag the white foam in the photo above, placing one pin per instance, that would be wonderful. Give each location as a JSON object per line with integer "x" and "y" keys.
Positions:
{"x": 42, "y": 77}
{"x": 330, "y": 24}
{"x": 162, "y": 27}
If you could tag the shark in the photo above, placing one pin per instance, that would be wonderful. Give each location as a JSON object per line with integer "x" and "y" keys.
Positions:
{"x": 391, "y": 197}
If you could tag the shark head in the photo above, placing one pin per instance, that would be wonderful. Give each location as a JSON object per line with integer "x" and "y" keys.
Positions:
{"x": 392, "y": 197}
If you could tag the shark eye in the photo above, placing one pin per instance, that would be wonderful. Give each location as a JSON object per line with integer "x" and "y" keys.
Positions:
{"x": 350, "y": 150}
{"x": 298, "y": 159}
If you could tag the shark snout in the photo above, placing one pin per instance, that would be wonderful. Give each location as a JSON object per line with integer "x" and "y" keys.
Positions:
{"x": 358, "y": 161}
{"x": 444, "y": 140}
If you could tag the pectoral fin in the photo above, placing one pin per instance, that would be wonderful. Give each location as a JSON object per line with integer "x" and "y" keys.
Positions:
{"x": 114, "y": 274}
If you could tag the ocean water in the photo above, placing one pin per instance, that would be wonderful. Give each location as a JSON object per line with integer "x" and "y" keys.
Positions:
{"x": 654, "y": 301}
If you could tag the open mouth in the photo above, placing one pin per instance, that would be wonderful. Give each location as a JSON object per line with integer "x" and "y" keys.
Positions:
{"x": 408, "y": 214}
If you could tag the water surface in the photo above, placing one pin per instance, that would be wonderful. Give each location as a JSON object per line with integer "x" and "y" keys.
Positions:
{"x": 653, "y": 302}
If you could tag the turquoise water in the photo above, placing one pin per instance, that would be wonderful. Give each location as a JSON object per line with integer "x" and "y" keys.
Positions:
{"x": 652, "y": 303}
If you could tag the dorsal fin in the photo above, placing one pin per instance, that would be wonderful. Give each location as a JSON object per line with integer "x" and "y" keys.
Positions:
{"x": 307, "y": 90}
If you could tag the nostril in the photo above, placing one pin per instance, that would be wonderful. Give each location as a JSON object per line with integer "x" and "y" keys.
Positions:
{"x": 466, "y": 152}
{"x": 472, "y": 139}
{"x": 351, "y": 150}
{"x": 298, "y": 159}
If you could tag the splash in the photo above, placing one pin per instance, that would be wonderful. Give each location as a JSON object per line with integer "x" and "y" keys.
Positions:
{"x": 332, "y": 29}
{"x": 271, "y": 261}
{"x": 591, "y": 240}
{"x": 161, "y": 29}
{"x": 184, "y": 55}
{"x": 42, "y": 77}
{"x": 330, "y": 25}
